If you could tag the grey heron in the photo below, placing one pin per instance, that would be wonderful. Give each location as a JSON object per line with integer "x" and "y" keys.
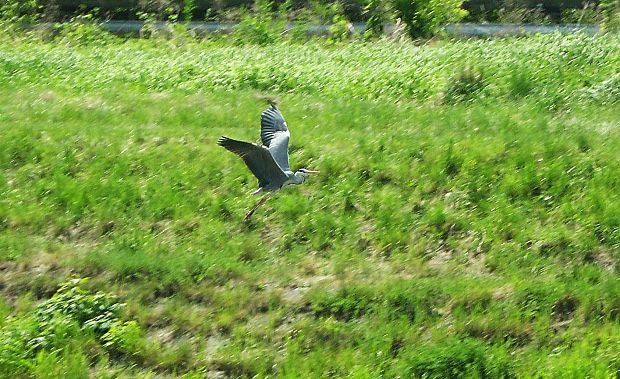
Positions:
{"x": 269, "y": 163}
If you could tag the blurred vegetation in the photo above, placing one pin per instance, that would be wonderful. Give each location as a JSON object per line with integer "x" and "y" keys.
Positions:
{"x": 266, "y": 20}
{"x": 555, "y": 70}
{"x": 479, "y": 10}
{"x": 465, "y": 222}
{"x": 422, "y": 17}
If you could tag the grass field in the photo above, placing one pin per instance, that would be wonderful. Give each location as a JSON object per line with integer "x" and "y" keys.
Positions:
{"x": 465, "y": 222}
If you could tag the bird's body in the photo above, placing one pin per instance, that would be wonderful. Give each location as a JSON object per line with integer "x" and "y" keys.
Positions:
{"x": 269, "y": 162}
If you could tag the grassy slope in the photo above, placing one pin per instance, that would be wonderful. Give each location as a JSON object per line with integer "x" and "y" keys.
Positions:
{"x": 476, "y": 238}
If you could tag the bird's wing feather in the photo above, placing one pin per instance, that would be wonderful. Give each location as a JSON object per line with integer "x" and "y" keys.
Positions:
{"x": 271, "y": 124}
{"x": 279, "y": 150}
{"x": 258, "y": 159}
{"x": 275, "y": 135}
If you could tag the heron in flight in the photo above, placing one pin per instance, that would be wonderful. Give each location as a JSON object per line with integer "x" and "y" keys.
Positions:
{"x": 269, "y": 163}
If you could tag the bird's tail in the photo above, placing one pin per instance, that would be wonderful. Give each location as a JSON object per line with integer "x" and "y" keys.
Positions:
{"x": 271, "y": 100}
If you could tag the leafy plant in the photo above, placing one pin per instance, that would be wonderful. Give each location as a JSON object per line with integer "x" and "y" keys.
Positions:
{"x": 84, "y": 30}
{"x": 188, "y": 9}
{"x": 149, "y": 28}
{"x": 260, "y": 27}
{"x": 340, "y": 29}
{"x": 161, "y": 10}
{"x": 96, "y": 312}
{"x": 71, "y": 314}
{"x": 20, "y": 11}
{"x": 423, "y": 17}
{"x": 377, "y": 12}
{"x": 610, "y": 10}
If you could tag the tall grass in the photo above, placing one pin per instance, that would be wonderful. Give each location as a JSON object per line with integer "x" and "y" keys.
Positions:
{"x": 467, "y": 226}
{"x": 552, "y": 69}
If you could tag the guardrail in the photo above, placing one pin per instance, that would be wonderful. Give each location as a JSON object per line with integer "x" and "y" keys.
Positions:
{"x": 465, "y": 29}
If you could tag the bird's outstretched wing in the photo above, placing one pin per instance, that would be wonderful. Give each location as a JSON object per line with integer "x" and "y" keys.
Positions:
{"x": 275, "y": 135}
{"x": 271, "y": 124}
{"x": 258, "y": 159}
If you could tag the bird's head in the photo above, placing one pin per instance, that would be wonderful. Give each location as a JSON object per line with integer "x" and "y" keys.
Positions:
{"x": 304, "y": 173}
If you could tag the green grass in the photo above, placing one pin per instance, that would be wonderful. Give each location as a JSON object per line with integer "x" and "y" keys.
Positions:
{"x": 469, "y": 230}
{"x": 553, "y": 69}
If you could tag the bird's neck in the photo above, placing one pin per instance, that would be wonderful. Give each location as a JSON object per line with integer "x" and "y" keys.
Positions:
{"x": 297, "y": 178}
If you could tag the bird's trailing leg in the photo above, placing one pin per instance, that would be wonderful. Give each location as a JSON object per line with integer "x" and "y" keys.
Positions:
{"x": 251, "y": 212}
{"x": 259, "y": 190}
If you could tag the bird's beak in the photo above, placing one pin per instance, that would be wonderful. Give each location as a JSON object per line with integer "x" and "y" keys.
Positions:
{"x": 313, "y": 172}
